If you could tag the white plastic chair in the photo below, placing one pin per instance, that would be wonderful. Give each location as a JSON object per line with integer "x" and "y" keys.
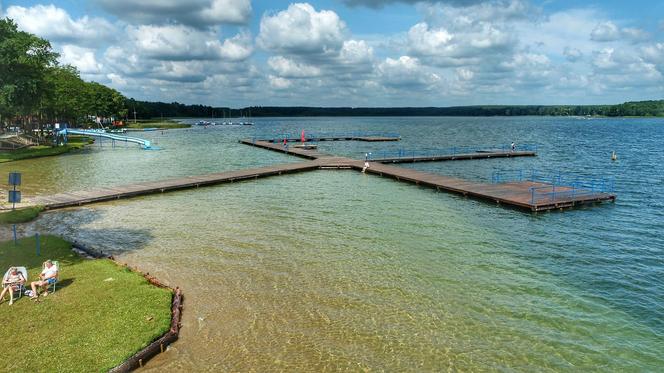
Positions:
{"x": 57, "y": 276}
{"x": 21, "y": 288}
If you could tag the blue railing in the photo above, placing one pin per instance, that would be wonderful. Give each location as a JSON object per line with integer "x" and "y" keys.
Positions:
{"x": 558, "y": 178}
{"x": 314, "y": 136}
{"x": 451, "y": 151}
{"x": 561, "y": 192}
{"x": 556, "y": 186}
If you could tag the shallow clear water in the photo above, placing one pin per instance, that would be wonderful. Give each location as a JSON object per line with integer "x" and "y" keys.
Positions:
{"x": 339, "y": 270}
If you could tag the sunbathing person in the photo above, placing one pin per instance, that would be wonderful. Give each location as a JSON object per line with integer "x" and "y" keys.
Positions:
{"x": 47, "y": 277}
{"x": 11, "y": 283}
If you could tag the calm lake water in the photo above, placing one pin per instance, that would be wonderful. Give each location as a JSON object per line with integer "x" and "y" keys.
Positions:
{"x": 337, "y": 270}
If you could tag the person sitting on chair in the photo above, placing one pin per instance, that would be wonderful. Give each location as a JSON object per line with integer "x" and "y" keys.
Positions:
{"x": 47, "y": 277}
{"x": 11, "y": 283}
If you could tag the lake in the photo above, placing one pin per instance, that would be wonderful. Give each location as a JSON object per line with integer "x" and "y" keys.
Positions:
{"x": 338, "y": 270}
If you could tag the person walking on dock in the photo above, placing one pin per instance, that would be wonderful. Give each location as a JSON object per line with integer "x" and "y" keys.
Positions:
{"x": 366, "y": 162}
{"x": 513, "y": 146}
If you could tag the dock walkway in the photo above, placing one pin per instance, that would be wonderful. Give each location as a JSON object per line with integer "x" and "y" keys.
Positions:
{"x": 516, "y": 194}
{"x": 326, "y": 136}
{"x": 528, "y": 195}
{"x": 288, "y": 149}
{"x": 455, "y": 157}
{"x": 78, "y": 198}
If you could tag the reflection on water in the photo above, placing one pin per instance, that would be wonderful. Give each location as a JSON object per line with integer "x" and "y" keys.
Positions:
{"x": 339, "y": 270}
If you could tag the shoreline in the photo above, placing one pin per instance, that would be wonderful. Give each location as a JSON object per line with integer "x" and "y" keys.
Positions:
{"x": 159, "y": 345}
{"x": 154, "y": 346}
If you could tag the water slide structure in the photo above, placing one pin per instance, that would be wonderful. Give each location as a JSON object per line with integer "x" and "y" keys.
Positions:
{"x": 101, "y": 134}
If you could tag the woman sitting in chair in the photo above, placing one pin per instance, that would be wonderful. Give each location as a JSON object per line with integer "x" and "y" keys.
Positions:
{"x": 12, "y": 282}
{"x": 47, "y": 277}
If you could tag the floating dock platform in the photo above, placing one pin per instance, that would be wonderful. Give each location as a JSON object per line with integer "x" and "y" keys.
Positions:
{"x": 330, "y": 136}
{"x": 527, "y": 195}
{"x": 532, "y": 196}
{"x": 454, "y": 157}
{"x": 79, "y": 198}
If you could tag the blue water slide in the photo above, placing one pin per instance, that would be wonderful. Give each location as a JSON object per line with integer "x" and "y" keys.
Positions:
{"x": 145, "y": 144}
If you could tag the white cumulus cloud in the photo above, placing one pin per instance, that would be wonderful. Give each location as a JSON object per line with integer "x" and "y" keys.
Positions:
{"x": 55, "y": 24}
{"x": 301, "y": 29}
{"x": 82, "y": 58}
{"x": 181, "y": 43}
{"x": 405, "y": 72}
{"x": 287, "y": 68}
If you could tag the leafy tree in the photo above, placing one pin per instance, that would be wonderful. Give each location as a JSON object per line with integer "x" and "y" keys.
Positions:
{"x": 24, "y": 63}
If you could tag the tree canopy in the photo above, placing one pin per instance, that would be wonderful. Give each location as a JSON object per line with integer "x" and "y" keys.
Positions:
{"x": 35, "y": 88}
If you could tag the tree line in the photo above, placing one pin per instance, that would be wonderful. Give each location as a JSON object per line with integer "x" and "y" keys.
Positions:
{"x": 146, "y": 110}
{"x": 35, "y": 89}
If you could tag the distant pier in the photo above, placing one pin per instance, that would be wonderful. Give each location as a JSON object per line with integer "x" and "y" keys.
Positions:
{"x": 453, "y": 157}
{"x": 329, "y": 136}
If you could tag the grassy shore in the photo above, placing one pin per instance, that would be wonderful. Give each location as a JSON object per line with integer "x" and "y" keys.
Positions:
{"x": 100, "y": 314}
{"x": 73, "y": 143}
{"x": 156, "y": 123}
{"x": 20, "y": 215}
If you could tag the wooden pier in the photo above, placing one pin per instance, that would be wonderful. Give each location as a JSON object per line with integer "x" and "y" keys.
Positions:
{"x": 79, "y": 198}
{"x": 336, "y": 138}
{"x": 455, "y": 157}
{"x": 527, "y": 195}
{"x": 286, "y": 149}
{"x": 515, "y": 194}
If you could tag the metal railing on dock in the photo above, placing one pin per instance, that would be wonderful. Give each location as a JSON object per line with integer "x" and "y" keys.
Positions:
{"x": 450, "y": 151}
{"x": 557, "y": 186}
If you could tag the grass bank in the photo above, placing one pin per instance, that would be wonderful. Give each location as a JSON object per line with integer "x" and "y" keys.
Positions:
{"x": 156, "y": 123}
{"x": 99, "y": 316}
{"x": 20, "y": 215}
{"x": 73, "y": 143}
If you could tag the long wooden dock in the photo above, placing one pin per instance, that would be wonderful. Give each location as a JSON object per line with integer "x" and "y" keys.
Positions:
{"x": 455, "y": 157}
{"x": 532, "y": 196}
{"x": 515, "y": 194}
{"x": 79, "y": 198}
{"x": 335, "y": 138}
{"x": 286, "y": 149}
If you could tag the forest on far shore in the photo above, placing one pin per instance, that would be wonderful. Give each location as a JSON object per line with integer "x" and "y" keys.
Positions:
{"x": 145, "y": 109}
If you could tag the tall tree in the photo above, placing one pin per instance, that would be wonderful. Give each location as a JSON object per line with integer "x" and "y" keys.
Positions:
{"x": 24, "y": 63}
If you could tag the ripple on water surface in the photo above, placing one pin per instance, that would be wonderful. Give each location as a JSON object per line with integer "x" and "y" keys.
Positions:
{"x": 340, "y": 270}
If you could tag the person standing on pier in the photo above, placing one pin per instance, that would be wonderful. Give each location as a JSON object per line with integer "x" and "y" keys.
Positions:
{"x": 366, "y": 162}
{"x": 513, "y": 146}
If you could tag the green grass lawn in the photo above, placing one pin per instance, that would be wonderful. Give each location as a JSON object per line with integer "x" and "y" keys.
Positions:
{"x": 100, "y": 314}
{"x": 156, "y": 123}
{"x": 20, "y": 215}
{"x": 73, "y": 143}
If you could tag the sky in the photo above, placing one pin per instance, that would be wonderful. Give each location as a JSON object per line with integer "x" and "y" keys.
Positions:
{"x": 374, "y": 53}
